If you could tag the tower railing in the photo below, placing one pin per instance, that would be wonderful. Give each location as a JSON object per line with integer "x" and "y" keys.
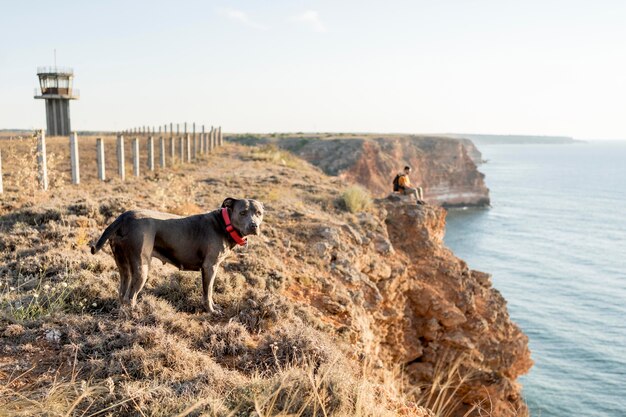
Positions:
{"x": 55, "y": 70}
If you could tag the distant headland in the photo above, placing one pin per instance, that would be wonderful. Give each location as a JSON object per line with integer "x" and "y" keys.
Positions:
{"x": 483, "y": 139}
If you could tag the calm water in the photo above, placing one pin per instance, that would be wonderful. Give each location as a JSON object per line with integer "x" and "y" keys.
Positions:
{"x": 555, "y": 242}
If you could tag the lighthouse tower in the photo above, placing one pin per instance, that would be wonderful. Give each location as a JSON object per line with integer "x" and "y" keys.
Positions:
{"x": 56, "y": 88}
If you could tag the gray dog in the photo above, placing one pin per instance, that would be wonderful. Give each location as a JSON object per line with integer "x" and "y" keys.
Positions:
{"x": 199, "y": 242}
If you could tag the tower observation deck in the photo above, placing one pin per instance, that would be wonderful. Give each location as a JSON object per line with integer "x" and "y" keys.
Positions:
{"x": 55, "y": 86}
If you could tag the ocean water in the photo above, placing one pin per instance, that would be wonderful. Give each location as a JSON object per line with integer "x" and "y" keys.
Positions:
{"x": 555, "y": 242}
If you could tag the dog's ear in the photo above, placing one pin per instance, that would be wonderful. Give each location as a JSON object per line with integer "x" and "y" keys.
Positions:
{"x": 229, "y": 203}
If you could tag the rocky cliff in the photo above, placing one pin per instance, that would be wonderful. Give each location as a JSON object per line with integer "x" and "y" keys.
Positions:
{"x": 401, "y": 298}
{"x": 445, "y": 167}
{"x": 355, "y": 314}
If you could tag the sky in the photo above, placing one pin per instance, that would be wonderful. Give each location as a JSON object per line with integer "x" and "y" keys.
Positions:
{"x": 464, "y": 66}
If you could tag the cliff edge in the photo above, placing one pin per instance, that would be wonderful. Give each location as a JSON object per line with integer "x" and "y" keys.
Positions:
{"x": 355, "y": 314}
{"x": 446, "y": 168}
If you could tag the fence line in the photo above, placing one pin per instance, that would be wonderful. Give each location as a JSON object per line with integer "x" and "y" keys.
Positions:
{"x": 191, "y": 144}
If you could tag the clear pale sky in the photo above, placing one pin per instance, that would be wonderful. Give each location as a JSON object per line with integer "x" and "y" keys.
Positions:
{"x": 472, "y": 66}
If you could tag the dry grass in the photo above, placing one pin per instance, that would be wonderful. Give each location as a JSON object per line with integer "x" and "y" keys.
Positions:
{"x": 273, "y": 154}
{"x": 356, "y": 199}
{"x": 275, "y": 351}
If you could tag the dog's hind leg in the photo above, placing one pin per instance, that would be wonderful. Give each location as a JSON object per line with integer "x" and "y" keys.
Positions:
{"x": 123, "y": 267}
{"x": 140, "y": 270}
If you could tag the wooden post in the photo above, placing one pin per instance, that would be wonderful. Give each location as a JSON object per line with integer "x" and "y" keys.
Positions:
{"x": 100, "y": 158}
{"x": 41, "y": 160}
{"x": 120, "y": 157}
{"x": 74, "y": 160}
{"x": 1, "y": 186}
{"x": 203, "y": 141}
{"x": 211, "y": 140}
{"x": 188, "y": 147}
{"x": 151, "y": 153}
{"x": 219, "y": 130}
{"x": 185, "y": 132}
{"x": 135, "y": 151}
{"x": 162, "y": 152}
{"x": 194, "y": 147}
{"x": 177, "y": 129}
{"x": 172, "y": 150}
{"x": 181, "y": 149}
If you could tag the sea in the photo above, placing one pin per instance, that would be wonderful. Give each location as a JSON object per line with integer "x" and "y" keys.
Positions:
{"x": 555, "y": 242}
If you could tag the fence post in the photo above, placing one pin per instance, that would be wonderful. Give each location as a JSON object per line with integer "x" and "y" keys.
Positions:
{"x": 177, "y": 129}
{"x": 135, "y": 152}
{"x": 120, "y": 157}
{"x": 188, "y": 147}
{"x": 100, "y": 158}
{"x": 41, "y": 159}
{"x": 194, "y": 147}
{"x": 211, "y": 144}
{"x": 162, "y": 152}
{"x": 1, "y": 186}
{"x": 219, "y": 129}
{"x": 151, "y": 153}
{"x": 74, "y": 160}
{"x": 202, "y": 142}
{"x": 180, "y": 149}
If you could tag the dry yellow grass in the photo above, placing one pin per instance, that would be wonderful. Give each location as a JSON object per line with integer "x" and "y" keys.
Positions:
{"x": 71, "y": 351}
{"x": 356, "y": 199}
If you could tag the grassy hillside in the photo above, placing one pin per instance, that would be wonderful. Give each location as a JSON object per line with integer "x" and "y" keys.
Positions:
{"x": 68, "y": 350}
{"x": 344, "y": 306}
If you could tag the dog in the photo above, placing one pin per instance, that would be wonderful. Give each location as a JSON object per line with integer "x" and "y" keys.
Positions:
{"x": 193, "y": 243}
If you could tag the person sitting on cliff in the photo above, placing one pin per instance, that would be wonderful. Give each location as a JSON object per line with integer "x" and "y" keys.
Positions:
{"x": 402, "y": 184}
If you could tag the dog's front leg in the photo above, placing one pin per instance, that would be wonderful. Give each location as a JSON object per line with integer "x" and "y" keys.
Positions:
{"x": 208, "y": 280}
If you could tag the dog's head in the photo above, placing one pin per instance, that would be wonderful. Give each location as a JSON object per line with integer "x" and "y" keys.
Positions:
{"x": 246, "y": 215}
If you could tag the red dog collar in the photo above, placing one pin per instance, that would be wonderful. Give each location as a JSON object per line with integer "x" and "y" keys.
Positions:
{"x": 231, "y": 230}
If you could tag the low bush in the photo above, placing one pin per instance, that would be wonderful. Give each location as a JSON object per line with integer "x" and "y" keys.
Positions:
{"x": 356, "y": 199}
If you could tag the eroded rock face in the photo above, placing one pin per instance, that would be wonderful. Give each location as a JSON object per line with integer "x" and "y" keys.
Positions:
{"x": 444, "y": 167}
{"x": 403, "y": 299}
{"x": 453, "y": 308}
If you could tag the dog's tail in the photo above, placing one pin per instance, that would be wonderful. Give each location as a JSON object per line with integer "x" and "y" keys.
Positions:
{"x": 112, "y": 228}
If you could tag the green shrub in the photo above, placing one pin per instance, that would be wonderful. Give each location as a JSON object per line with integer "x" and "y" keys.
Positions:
{"x": 356, "y": 199}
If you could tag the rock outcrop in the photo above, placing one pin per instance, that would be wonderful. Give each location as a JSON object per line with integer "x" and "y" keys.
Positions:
{"x": 403, "y": 299}
{"x": 441, "y": 166}
{"x": 446, "y": 168}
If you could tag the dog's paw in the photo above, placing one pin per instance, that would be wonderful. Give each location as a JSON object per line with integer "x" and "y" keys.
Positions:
{"x": 215, "y": 310}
